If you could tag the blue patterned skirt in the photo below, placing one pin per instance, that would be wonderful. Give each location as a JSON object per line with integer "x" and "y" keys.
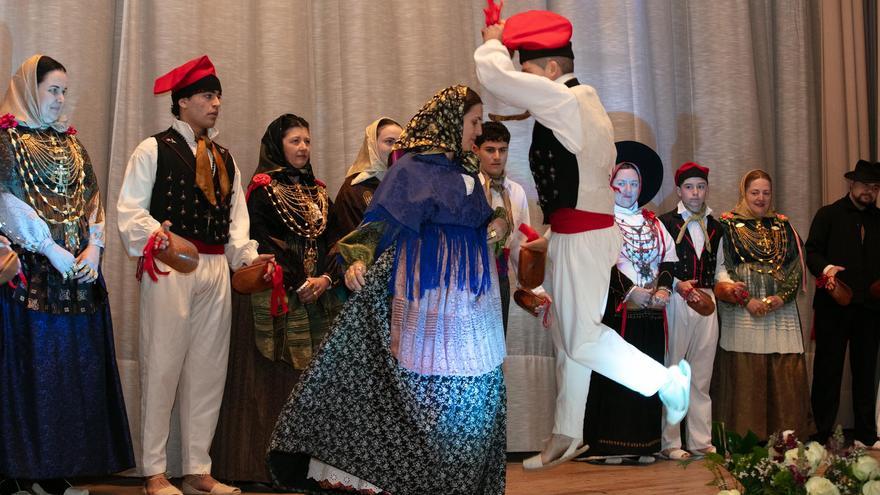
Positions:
{"x": 61, "y": 409}
{"x": 358, "y": 410}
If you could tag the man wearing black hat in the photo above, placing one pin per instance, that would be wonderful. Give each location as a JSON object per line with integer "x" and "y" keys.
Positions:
{"x": 571, "y": 157}
{"x": 844, "y": 246}
{"x": 180, "y": 181}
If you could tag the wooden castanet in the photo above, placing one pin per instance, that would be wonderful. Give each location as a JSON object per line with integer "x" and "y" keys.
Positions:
{"x": 727, "y": 292}
{"x": 529, "y": 301}
{"x": 531, "y": 268}
{"x": 841, "y": 293}
{"x": 181, "y": 255}
{"x": 250, "y": 279}
{"x": 704, "y": 305}
{"x": 10, "y": 265}
{"x": 874, "y": 290}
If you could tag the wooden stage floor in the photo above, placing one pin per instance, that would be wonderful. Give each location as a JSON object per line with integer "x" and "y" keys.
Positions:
{"x": 573, "y": 478}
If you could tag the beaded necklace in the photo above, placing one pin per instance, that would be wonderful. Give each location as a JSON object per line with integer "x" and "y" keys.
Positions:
{"x": 760, "y": 245}
{"x": 304, "y": 210}
{"x": 52, "y": 170}
{"x": 641, "y": 247}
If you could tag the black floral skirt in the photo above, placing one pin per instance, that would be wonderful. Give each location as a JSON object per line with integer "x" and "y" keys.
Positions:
{"x": 356, "y": 409}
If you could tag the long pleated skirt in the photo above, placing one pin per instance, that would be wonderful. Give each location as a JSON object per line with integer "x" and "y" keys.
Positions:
{"x": 62, "y": 413}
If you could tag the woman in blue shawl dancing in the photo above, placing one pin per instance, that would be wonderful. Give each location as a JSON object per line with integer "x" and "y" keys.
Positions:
{"x": 406, "y": 395}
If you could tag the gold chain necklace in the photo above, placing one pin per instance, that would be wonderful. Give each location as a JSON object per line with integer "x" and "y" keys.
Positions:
{"x": 762, "y": 245}
{"x": 52, "y": 169}
{"x": 304, "y": 210}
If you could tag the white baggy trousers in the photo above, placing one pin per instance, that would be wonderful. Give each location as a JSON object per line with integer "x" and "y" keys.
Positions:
{"x": 184, "y": 351}
{"x": 692, "y": 337}
{"x": 580, "y": 272}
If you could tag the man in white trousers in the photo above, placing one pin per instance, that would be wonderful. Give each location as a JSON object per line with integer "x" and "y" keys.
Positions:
{"x": 692, "y": 336}
{"x": 180, "y": 181}
{"x": 571, "y": 157}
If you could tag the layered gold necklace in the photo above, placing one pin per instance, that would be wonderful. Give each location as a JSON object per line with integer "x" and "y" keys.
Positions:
{"x": 761, "y": 245}
{"x": 304, "y": 210}
{"x": 52, "y": 169}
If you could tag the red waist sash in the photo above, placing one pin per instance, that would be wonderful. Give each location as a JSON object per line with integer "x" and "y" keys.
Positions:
{"x": 205, "y": 248}
{"x": 573, "y": 221}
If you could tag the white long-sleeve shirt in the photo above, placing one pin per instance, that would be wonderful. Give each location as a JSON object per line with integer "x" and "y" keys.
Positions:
{"x": 133, "y": 216}
{"x": 575, "y": 115}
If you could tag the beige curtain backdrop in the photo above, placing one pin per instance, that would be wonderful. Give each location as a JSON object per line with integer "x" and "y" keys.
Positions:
{"x": 731, "y": 84}
{"x": 844, "y": 117}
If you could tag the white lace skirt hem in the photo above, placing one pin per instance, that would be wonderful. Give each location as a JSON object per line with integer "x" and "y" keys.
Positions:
{"x": 338, "y": 479}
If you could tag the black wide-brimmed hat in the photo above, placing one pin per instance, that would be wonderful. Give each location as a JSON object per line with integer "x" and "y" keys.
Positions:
{"x": 649, "y": 164}
{"x": 865, "y": 171}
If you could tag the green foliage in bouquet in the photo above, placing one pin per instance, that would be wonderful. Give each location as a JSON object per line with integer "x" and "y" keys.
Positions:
{"x": 743, "y": 465}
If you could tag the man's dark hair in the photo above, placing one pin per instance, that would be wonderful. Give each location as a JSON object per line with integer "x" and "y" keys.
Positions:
{"x": 175, "y": 99}
{"x": 566, "y": 65}
{"x": 493, "y": 131}
{"x": 46, "y": 65}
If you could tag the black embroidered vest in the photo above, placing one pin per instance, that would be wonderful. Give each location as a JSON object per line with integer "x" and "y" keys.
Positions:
{"x": 689, "y": 267}
{"x": 554, "y": 168}
{"x": 176, "y": 197}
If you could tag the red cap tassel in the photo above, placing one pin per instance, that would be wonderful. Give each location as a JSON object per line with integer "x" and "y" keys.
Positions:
{"x": 21, "y": 278}
{"x": 547, "y": 320}
{"x": 148, "y": 262}
{"x": 493, "y": 12}
{"x": 621, "y": 308}
{"x": 666, "y": 330}
{"x": 279, "y": 297}
{"x": 529, "y": 232}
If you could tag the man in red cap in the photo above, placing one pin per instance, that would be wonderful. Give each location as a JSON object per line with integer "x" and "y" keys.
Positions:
{"x": 571, "y": 158}
{"x": 179, "y": 180}
{"x": 692, "y": 336}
